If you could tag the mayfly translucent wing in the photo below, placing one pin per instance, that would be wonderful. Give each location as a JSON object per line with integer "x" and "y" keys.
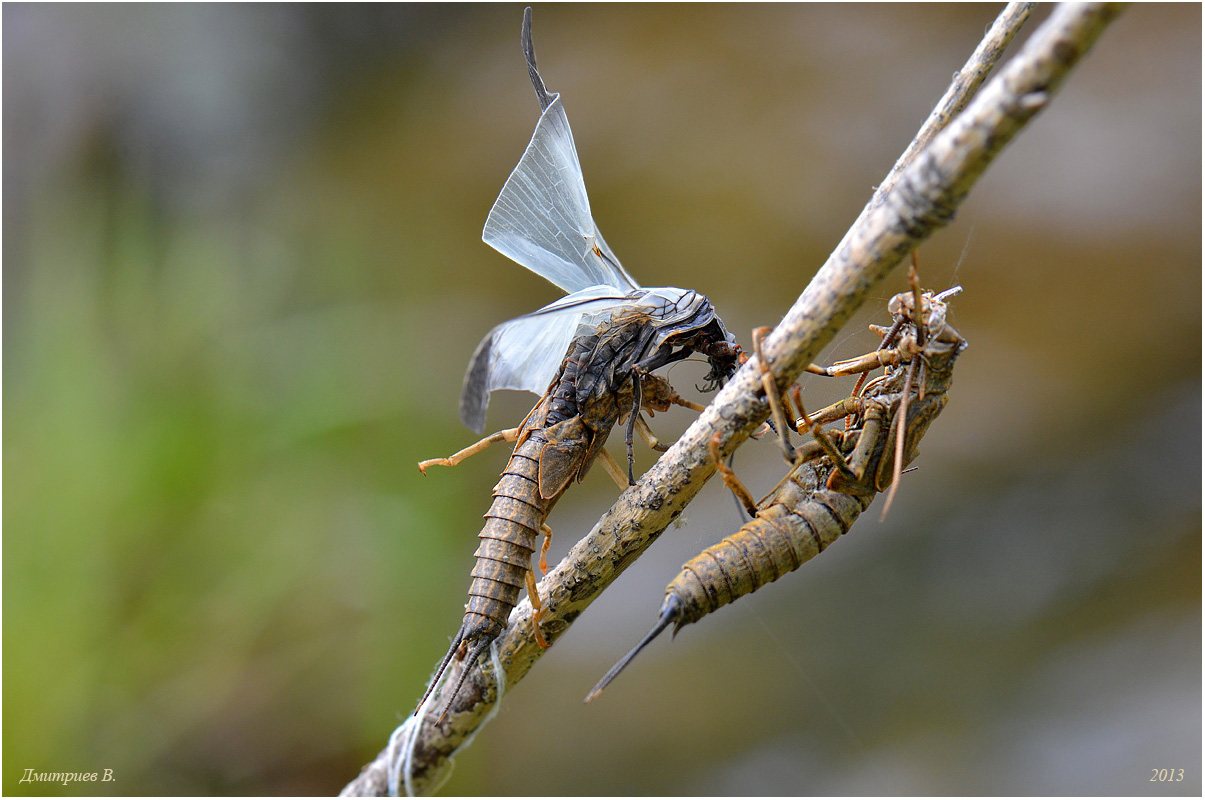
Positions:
{"x": 542, "y": 218}
{"x": 542, "y": 221}
{"x": 526, "y": 352}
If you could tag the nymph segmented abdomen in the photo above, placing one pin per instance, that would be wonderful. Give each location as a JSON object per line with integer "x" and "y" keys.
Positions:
{"x": 509, "y": 536}
{"x": 778, "y": 540}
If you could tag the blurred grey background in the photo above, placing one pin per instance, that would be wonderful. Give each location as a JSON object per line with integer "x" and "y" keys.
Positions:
{"x": 243, "y": 275}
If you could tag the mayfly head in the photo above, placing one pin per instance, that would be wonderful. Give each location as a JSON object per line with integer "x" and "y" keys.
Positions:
{"x": 720, "y": 347}
{"x": 723, "y": 354}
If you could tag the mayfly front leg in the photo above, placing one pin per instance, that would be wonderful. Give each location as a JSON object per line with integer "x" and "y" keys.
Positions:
{"x": 657, "y": 395}
{"x": 776, "y": 400}
{"x": 508, "y": 435}
{"x": 650, "y": 438}
{"x": 611, "y": 466}
{"x": 639, "y": 372}
{"x": 779, "y": 404}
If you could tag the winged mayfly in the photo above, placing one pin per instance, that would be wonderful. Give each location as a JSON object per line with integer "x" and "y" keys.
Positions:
{"x": 836, "y": 476}
{"x": 590, "y": 355}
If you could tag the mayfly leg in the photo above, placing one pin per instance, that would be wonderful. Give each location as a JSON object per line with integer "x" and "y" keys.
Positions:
{"x": 650, "y": 438}
{"x": 613, "y": 470}
{"x": 508, "y": 435}
{"x": 733, "y": 483}
{"x": 664, "y": 355}
{"x": 533, "y": 593}
{"x": 821, "y": 438}
{"x": 773, "y": 396}
{"x": 781, "y": 405}
{"x": 547, "y": 531}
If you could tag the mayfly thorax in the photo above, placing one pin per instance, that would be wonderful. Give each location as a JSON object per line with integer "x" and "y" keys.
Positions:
{"x": 589, "y": 355}
{"x": 835, "y": 476}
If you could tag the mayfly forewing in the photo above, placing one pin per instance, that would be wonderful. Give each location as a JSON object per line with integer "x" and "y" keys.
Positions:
{"x": 542, "y": 218}
{"x": 542, "y": 221}
{"x": 831, "y": 484}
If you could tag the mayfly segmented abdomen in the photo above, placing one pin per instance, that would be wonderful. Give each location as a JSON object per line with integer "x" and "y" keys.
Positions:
{"x": 503, "y": 559}
{"x": 803, "y": 519}
{"x": 509, "y": 536}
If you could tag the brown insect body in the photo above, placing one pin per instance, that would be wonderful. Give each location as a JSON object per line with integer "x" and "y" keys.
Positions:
{"x": 557, "y": 444}
{"x": 796, "y": 522}
{"x": 620, "y": 332}
{"x": 821, "y": 497}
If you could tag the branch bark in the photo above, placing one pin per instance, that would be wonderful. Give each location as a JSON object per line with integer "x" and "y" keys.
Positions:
{"x": 917, "y": 198}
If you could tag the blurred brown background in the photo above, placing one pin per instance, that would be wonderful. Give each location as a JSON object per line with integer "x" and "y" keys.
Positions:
{"x": 243, "y": 275}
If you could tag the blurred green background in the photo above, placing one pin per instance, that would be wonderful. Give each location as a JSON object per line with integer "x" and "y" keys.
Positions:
{"x": 243, "y": 275}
